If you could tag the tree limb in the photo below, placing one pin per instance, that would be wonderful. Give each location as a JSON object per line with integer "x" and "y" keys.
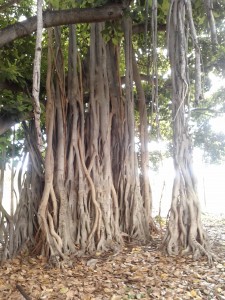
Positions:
{"x": 61, "y": 17}
{"x": 140, "y": 28}
{"x": 8, "y": 121}
{"x": 5, "y": 124}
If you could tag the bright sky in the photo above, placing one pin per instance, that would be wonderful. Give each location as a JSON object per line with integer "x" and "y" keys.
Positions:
{"x": 211, "y": 187}
{"x": 218, "y": 124}
{"x": 216, "y": 84}
{"x": 211, "y": 177}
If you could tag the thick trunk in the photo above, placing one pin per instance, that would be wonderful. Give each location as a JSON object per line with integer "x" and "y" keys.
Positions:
{"x": 133, "y": 216}
{"x": 105, "y": 229}
{"x": 184, "y": 232}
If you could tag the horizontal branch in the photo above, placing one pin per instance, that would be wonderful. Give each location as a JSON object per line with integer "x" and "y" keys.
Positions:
{"x": 7, "y": 122}
{"x": 141, "y": 27}
{"x": 61, "y": 17}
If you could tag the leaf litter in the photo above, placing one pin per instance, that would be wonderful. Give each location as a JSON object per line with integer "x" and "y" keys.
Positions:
{"x": 134, "y": 273}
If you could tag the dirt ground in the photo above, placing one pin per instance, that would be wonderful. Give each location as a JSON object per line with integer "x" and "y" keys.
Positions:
{"x": 133, "y": 273}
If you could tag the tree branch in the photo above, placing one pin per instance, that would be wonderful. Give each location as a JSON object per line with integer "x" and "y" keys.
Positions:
{"x": 140, "y": 28}
{"x": 61, "y": 17}
{"x": 8, "y": 121}
{"x": 5, "y": 124}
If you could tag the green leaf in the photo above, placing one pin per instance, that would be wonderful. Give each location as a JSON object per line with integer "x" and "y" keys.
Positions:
{"x": 115, "y": 41}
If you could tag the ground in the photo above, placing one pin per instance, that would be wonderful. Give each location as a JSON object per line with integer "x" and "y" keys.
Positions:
{"x": 134, "y": 273}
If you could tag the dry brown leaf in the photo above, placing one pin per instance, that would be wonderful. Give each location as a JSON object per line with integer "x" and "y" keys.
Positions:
{"x": 92, "y": 262}
{"x": 5, "y": 287}
{"x": 137, "y": 273}
{"x": 115, "y": 297}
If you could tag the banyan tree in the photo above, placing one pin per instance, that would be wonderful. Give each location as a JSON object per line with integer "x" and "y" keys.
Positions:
{"x": 83, "y": 185}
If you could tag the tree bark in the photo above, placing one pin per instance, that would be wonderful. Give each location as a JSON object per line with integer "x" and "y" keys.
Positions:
{"x": 131, "y": 201}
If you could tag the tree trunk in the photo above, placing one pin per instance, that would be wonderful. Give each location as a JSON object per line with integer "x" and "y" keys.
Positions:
{"x": 133, "y": 215}
{"x": 37, "y": 75}
{"x": 25, "y": 218}
{"x": 93, "y": 205}
{"x": 144, "y": 140}
{"x": 91, "y": 194}
{"x": 184, "y": 232}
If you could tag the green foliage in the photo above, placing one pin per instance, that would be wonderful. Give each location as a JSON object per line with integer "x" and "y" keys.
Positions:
{"x": 161, "y": 221}
{"x": 83, "y": 39}
{"x": 14, "y": 103}
{"x": 54, "y": 4}
{"x": 61, "y": 4}
{"x": 16, "y": 62}
{"x": 163, "y": 8}
{"x": 8, "y": 71}
{"x": 11, "y": 147}
{"x": 211, "y": 142}
{"x": 4, "y": 142}
{"x": 159, "y": 150}
{"x": 91, "y": 3}
{"x": 112, "y": 32}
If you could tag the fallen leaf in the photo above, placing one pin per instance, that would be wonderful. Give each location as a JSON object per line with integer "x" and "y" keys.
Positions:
{"x": 193, "y": 293}
{"x": 92, "y": 262}
{"x": 64, "y": 290}
{"x": 115, "y": 297}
